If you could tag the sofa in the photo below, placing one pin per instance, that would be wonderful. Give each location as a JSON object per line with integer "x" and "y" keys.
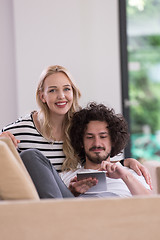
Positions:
{"x": 23, "y": 216}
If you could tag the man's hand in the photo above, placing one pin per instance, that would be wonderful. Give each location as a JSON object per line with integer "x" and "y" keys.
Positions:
{"x": 117, "y": 171}
{"x": 113, "y": 170}
{"x": 81, "y": 186}
{"x": 139, "y": 169}
{"x": 11, "y": 136}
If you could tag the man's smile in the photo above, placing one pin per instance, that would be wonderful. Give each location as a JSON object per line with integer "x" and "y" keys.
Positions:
{"x": 96, "y": 149}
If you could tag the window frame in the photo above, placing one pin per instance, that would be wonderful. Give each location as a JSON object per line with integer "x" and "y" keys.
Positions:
{"x": 124, "y": 68}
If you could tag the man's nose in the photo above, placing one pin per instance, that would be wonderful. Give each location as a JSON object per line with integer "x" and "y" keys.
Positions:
{"x": 96, "y": 141}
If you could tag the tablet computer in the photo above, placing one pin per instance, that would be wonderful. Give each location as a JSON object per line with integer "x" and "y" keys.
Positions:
{"x": 99, "y": 175}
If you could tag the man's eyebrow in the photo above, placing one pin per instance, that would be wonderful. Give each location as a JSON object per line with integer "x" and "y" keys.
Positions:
{"x": 88, "y": 133}
{"x": 104, "y": 132}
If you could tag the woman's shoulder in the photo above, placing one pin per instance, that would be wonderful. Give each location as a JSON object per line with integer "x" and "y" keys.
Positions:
{"x": 21, "y": 121}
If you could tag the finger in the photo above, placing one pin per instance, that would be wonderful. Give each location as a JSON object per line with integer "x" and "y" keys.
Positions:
{"x": 7, "y": 135}
{"x": 113, "y": 167}
{"x": 108, "y": 167}
{"x": 14, "y": 140}
{"x": 147, "y": 178}
{"x": 12, "y": 137}
{"x": 103, "y": 166}
{"x": 138, "y": 171}
{"x": 73, "y": 179}
{"x": 85, "y": 187}
{"x": 150, "y": 183}
{"x": 89, "y": 181}
{"x": 143, "y": 171}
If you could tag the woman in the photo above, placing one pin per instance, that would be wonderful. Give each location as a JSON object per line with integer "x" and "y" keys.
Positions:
{"x": 47, "y": 129}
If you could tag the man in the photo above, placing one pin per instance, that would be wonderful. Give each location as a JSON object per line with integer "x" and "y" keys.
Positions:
{"x": 97, "y": 134}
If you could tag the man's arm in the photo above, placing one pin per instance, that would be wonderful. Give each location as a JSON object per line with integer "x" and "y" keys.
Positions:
{"x": 116, "y": 171}
{"x": 135, "y": 187}
{"x": 139, "y": 168}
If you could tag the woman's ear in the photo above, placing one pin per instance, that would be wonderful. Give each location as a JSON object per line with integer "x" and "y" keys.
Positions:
{"x": 41, "y": 95}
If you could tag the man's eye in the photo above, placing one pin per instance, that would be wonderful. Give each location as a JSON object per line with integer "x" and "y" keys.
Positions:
{"x": 104, "y": 136}
{"x": 89, "y": 137}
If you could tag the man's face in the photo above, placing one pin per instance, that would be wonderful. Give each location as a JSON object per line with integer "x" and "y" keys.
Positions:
{"x": 97, "y": 142}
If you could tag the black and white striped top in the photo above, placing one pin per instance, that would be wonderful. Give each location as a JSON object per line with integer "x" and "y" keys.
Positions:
{"x": 25, "y": 131}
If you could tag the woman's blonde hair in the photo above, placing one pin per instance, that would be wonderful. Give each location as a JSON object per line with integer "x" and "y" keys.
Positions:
{"x": 44, "y": 119}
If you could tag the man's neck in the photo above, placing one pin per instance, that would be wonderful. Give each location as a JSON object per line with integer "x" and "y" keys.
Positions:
{"x": 90, "y": 165}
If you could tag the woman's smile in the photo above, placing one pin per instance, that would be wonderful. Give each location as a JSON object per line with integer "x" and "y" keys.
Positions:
{"x": 61, "y": 104}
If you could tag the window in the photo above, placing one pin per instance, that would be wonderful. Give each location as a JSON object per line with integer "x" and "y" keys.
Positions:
{"x": 140, "y": 59}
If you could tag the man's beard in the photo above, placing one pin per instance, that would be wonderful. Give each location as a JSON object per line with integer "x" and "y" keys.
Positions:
{"x": 98, "y": 158}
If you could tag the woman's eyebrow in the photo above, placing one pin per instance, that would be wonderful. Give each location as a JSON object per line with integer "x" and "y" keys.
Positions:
{"x": 52, "y": 87}
{"x": 66, "y": 85}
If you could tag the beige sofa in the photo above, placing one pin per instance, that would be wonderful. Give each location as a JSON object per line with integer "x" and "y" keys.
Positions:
{"x": 29, "y": 218}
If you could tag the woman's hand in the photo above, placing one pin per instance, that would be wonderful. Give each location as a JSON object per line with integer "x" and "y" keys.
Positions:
{"x": 11, "y": 136}
{"x": 79, "y": 187}
{"x": 139, "y": 168}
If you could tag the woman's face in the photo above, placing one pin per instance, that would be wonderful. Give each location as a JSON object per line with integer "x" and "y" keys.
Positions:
{"x": 57, "y": 93}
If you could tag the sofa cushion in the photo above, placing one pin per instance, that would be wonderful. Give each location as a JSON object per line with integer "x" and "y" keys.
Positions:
{"x": 15, "y": 182}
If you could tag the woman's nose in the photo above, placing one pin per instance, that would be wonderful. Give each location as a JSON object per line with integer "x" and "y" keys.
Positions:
{"x": 60, "y": 95}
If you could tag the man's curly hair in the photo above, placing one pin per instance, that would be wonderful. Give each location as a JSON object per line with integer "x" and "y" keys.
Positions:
{"x": 117, "y": 125}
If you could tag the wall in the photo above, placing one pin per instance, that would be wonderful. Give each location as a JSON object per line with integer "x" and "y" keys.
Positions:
{"x": 8, "y": 91}
{"x": 81, "y": 35}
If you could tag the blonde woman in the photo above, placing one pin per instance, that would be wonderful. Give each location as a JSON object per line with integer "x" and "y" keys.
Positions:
{"x": 47, "y": 128}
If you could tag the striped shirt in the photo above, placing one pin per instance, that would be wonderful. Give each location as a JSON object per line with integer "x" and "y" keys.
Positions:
{"x": 25, "y": 131}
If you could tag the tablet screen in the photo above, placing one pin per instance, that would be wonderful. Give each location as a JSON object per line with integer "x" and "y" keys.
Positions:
{"x": 100, "y": 175}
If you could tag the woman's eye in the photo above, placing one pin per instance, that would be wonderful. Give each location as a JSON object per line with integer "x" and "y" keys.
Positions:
{"x": 67, "y": 89}
{"x": 52, "y": 90}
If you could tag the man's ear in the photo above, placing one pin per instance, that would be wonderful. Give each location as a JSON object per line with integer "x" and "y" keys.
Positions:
{"x": 41, "y": 95}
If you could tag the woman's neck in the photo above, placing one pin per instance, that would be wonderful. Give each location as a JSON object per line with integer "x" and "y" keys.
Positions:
{"x": 56, "y": 123}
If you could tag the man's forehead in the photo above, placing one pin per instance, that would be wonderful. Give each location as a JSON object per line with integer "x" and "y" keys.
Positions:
{"x": 97, "y": 126}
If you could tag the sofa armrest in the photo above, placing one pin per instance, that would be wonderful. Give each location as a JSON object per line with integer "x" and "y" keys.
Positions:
{"x": 15, "y": 182}
{"x": 154, "y": 170}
